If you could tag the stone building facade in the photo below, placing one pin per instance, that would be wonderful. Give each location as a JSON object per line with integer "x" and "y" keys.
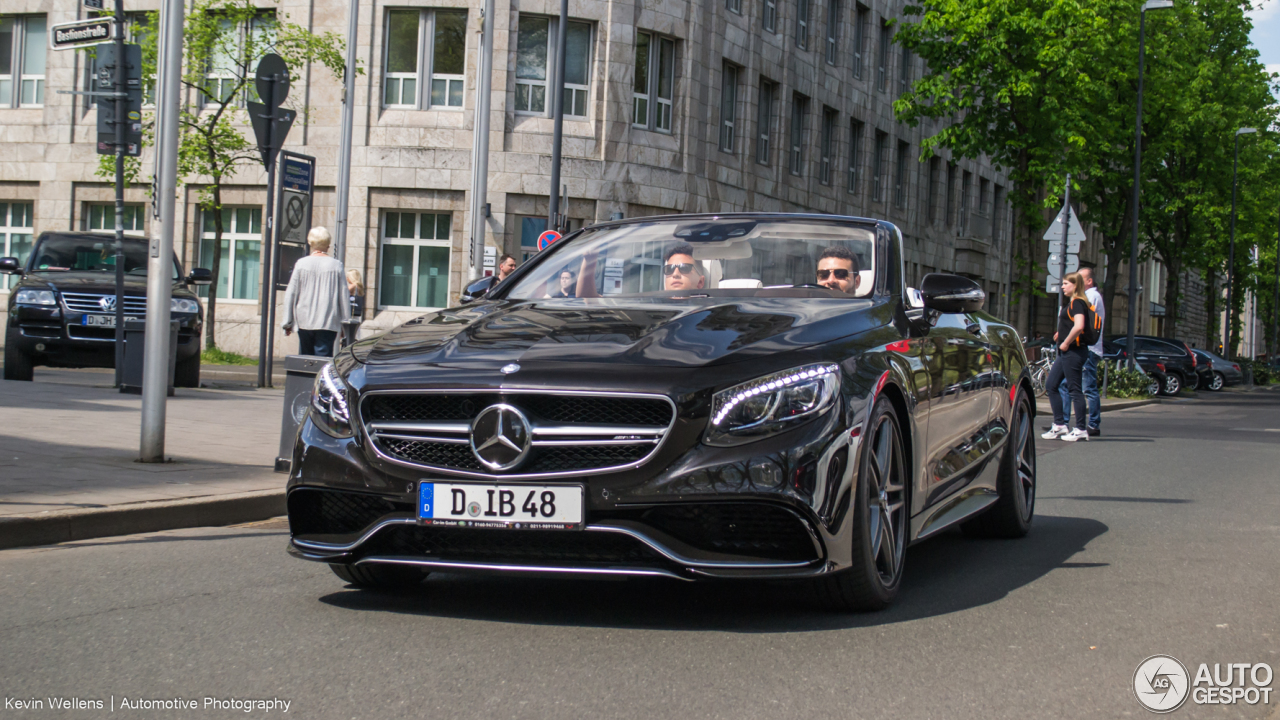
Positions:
{"x": 672, "y": 106}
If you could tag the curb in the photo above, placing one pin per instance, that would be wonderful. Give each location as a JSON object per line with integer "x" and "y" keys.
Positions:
{"x": 84, "y": 524}
{"x": 1121, "y": 405}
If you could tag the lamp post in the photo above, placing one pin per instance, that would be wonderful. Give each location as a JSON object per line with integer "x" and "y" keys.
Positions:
{"x": 1137, "y": 172}
{"x": 1231, "y": 252}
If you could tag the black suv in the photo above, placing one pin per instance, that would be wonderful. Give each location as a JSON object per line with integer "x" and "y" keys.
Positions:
{"x": 1178, "y": 360}
{"x": 62, "y": 310}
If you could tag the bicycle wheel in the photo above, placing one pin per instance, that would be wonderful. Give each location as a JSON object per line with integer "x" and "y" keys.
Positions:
{"x": 1039, "y": 374}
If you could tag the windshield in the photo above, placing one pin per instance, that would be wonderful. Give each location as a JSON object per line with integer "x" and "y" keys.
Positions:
{"x": 724, "y": 257}
{"x": 71, "y": 253}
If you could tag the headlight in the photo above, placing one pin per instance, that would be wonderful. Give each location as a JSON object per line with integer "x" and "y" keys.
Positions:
{"x": 36, "y": 297}
{"x": 329, "y": 403}
{"x": 772, "y": 403}
{"x": 183, "y": 305}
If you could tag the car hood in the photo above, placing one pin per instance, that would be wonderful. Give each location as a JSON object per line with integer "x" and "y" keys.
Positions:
{"x": 657, "y": 332}
{"x": 96, "y": 282}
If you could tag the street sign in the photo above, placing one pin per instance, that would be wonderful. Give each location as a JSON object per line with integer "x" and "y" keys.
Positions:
{"x": 1075, "y": 231}
{"x": 270, "y": 122}
{"x": 72, "y": 35}
{"x": 546, "y": 238}
{"x": 1055, "y": 263}
{"x": 297, "y": 176}
{"x": 98, "y": 5}
{"x": 106, "y": 82}
{"x": 1055, "y": 246}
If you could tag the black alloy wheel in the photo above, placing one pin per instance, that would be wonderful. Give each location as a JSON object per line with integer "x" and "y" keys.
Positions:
{"x": 379, "y": 576}
{"x": 1010, "y": 516}
{"x": 1217, "y": 382}
{"x": 17, "y": 364}
{"x": 1172, "y": 384}
{"x": 880, "y": 521}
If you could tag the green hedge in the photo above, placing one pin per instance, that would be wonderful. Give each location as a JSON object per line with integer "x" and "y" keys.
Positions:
{"x": 1125, "y": 383}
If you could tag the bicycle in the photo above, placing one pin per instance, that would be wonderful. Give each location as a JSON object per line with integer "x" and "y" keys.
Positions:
{"x": 1040, "y": 369}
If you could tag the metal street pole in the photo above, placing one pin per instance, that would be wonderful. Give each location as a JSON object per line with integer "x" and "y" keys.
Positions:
{"x": 557, "y": 111}
{"x": 344, "y": 141}
{"x": 1062, "y": 256}
{"x": 264, "y": 319}
{"x": 1137, "y": 174}
{"x": 480, "y": 143}
{"x": 122, "y": 111}
{"x": 1231, "y": 253}
{"x": 155, "y": 368}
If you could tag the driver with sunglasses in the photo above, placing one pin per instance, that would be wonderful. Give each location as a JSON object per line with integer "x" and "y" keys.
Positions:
{"x": 838, "y": 270}
{"x": 680, "y": 271}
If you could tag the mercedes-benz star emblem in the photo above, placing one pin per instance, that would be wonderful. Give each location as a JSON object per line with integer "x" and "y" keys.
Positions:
{"x": 508, "y": 369}
{"x": 108, "y": 302}
{"x": 500, "y": 437}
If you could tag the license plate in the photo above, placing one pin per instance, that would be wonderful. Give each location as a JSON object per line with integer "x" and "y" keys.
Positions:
{"x": 102, "y": 320}
{"x": 515, "y": 507}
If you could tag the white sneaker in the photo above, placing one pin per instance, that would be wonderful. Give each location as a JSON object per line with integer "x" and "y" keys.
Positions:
{"x": 1056, "y": 432}
{"x": 1075, "y": 435}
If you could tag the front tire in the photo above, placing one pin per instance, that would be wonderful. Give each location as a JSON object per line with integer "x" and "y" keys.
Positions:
{"x": 1172, "y": 384}
{"x": 880, "y": 521}
{"x": 17, "y": 364}
{"x": 379, "y": 576}
{"x": 1011, "y": 515}
{"x": 186, "y": 373}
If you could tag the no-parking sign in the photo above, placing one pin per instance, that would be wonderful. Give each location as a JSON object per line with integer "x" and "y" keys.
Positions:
{"x": 546, "y": 238}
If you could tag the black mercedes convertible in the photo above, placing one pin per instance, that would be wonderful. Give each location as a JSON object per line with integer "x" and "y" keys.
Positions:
{"x": 696, "y": 396}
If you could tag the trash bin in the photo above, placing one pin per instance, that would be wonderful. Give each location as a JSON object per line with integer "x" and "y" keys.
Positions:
{"x": 299, "y": 377}
{"x": 135, "y": 351}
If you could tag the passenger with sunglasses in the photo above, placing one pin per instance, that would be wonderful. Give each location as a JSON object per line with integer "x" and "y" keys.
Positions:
{"x": 838, "y": 270}
{"x": 680, "y": 271}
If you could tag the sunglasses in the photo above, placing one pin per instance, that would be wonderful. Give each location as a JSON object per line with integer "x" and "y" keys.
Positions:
{"x": 840, "y": 273}
{"x": 684, "y": 268}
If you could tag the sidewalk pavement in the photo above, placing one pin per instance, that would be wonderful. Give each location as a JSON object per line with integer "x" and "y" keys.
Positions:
{"x": 69, "y": 444}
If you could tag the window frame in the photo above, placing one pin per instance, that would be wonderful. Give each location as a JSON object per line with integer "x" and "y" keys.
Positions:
{"x": 231, "y": 234}
{"x": 138, "y": 214}
{"x": 833, "y": 31}
{"x": 879, "y": 179}
{"x": 9, "y": 228}
{"x": 904, "y": 69}
{"x": 426, "y": 61}
{"x": 656, "y": 120}
{"x": 415, "y": 243}
{"x": 733, "y": 6}
{"x": 796, "y": 136}
{"x": 729, "y": 76}
{"x": 802, "y": 24}
{"x": 966, "y": 181}
{"x": 767, "y": 90}
{"x": 769, "y": 16}
{"x": 861, "y": 22}
{"x": 571, "y": 89}
{"x": 883, "y": 58}
{"x": 901, "y": 181}
{"x": 827, "y": 144}
{"x": 18, "y": 77}
{"x": 856, "y": 130}
{"x": 249, "y": 90}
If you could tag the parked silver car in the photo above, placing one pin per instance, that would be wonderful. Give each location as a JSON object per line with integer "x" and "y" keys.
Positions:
{"x": 1224, "y": 371}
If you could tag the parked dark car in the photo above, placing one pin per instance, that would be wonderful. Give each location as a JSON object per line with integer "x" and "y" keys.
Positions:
{"x": 1174, "y": 355}
{"x": 1155, "y": 370}
{"x": 1220, "y": 371}
{"x": 702, "y": 409}
{"x": 62, "y": 309}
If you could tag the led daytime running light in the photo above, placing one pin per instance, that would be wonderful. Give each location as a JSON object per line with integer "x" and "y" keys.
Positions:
{"x": 772, "y": 384}
{"x": 337, "y": 400}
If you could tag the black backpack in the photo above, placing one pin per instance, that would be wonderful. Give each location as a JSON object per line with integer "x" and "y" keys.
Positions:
{"x": 1092, "y": 326}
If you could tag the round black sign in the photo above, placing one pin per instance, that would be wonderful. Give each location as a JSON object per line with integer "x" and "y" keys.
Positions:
{"x": 272, "y": 67}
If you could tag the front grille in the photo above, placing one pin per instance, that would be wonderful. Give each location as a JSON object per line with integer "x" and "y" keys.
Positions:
{"x": 752, "y": 529}
{"x": 569, "y": 433}
{"x": 134, "y": 305}
{"x": 332, "y": 512}
{"x": 547, "y": 547}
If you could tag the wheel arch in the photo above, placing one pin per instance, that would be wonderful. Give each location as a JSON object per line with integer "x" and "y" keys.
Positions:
{"x": 893, "y": 393}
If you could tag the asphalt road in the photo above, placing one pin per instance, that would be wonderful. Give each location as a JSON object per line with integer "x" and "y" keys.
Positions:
{"x": 1163, "y": 536}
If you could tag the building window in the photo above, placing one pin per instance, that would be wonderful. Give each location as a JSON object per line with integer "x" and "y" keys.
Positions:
{"x": 734, "y": 6}
{"x": 799, "y": 109}
{"x": 535, "y": 65}
{"x": 102, "y": 218}
{"x": 241, "y": 252}
{"x": 802, "y": 24}
{"x": 855, "y": 155}
{"x": 861, "y": 20}
{"x": 833, "y": 31}
{"x": 882, "y": 61}
{"x": 225, "y": 72}
{"x": 879, "y": 167}
{"x": 137, "y": 31}
{"x": 769, "y": 18}
{"x": 530, "y": 229}
{"x": 931, "y": 201}
{"x": 655, "y": 82}
{"x": 415, "y": 260}
{"x": 728, "y": 107}
{"x": 764, "y": 121}
{"x": 827, "y": 145}
{"x": 951, "y": 192}
{"x": 900, "y": 176}
{"x": 15, "y": 235}
{"x": 430, "y": 43}
{"x": 23, "y": 43}
{"x": 904, "y": 72}
{"x": 964, "y": 202}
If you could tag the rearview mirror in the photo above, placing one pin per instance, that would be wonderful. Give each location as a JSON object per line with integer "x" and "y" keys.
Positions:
{"x": 478, "y": 289}
{"x": 951, "y": 293}
{"x": 10, "y": 266}
{"x": 200, "y": 276}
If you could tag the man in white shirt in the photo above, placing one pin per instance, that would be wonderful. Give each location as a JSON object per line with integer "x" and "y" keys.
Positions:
{"x": 1090, "y": 375}
{"x": 316, "y": 300}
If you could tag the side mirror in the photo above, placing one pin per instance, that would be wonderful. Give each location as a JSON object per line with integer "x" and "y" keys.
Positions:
{"x": 10, "y": 266}
{"x": 478, "y": 289}
{"x": 951, "y": 293}
{"x": 200, "y": 276}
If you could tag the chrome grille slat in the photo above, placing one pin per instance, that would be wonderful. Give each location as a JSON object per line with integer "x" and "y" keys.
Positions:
{"x": 134, "y": 305}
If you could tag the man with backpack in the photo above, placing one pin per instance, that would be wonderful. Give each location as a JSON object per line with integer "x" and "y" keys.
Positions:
{"x": 1089, "y": 374}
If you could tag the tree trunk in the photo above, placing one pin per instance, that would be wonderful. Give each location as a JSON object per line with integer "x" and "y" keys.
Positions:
{"x": 210, "y": 339}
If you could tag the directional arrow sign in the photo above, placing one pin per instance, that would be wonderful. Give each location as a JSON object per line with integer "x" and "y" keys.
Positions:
{"x": 1075, "y": 231}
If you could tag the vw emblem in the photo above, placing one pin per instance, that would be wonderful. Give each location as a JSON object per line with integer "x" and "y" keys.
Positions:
{"x": 508, "y": 369}
{"x": 108, "y": 302}
{"x": 500, "y": 437}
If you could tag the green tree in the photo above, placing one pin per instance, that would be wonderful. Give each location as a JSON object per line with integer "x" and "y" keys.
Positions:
{"x": 223, "y": 40}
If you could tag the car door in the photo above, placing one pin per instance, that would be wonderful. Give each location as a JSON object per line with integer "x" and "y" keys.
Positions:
{"x": 959, "y": 402}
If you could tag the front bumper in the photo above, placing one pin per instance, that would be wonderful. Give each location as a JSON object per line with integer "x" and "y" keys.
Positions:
{"x": 56, "y": 337}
